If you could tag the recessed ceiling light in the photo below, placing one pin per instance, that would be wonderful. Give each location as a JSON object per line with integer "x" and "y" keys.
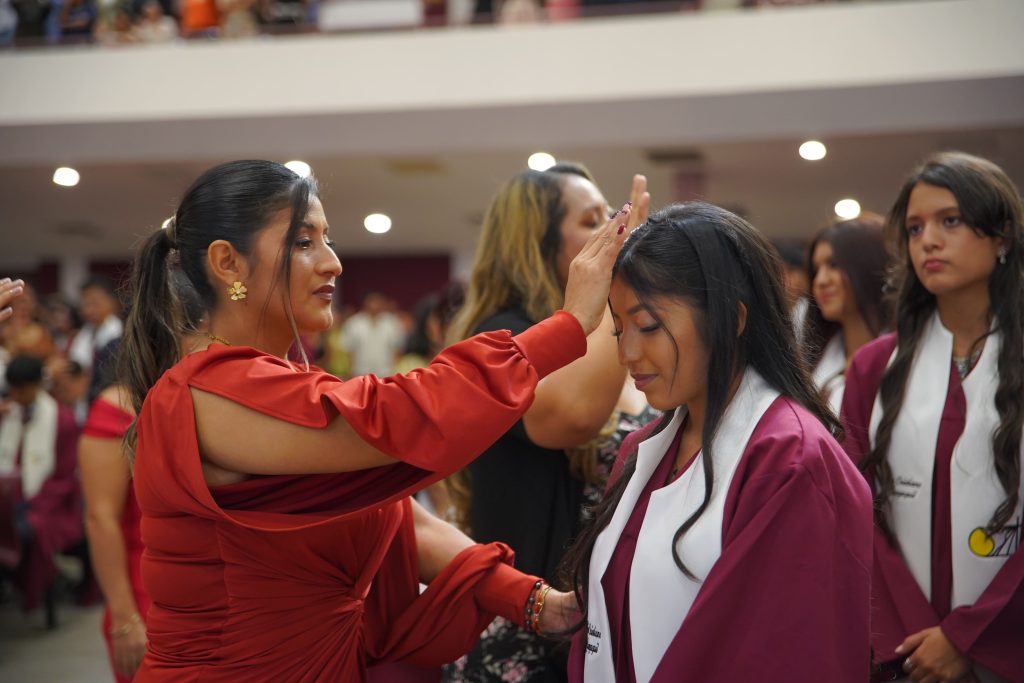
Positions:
{"x": 299, "y": 168}
{"x": 68, "y": 177}
{"x": 540, "y": 161}
{"x": 377, "y": 223}
{"x": 812, "y": 150}
{"x": 847, "y": 208}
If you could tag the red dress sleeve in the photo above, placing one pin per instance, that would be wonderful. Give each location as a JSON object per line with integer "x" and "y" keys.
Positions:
{"x": 435, "y": 418}
{"x": 106, "y": 421}
{"x": 445, "y": 621}
{"x": 432, "y": 421}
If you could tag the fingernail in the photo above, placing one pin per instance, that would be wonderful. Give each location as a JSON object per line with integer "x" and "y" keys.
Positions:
{"x": 899, "y": 650}
{"x": 17, "y": 290}
{"x": 622, "y": 226}
{"x": 5, "y": 281}
{"x": 629, "y": 203}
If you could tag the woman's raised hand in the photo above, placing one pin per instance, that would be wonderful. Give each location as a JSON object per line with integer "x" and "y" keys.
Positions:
{"x": 9, "y": 291}
{"x": 641, "y": 201}
{"x": 590, "y": 273}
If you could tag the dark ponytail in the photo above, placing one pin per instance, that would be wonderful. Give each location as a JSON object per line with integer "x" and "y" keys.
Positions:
{"x": 169, "y": 288}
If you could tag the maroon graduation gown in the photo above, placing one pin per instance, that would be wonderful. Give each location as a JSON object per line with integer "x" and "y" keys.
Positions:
{"x": 991, "y": 631}
{"x": 787, "y": 599}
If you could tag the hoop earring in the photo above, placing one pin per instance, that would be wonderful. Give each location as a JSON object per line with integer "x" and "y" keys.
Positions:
{"x": 1002, "y": 255}
{"x": 237, "y": 291}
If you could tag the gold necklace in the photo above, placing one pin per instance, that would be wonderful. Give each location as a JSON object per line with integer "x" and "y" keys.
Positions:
{"x": 219, "y": 340}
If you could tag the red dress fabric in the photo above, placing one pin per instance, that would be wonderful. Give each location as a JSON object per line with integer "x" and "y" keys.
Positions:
{"x": 107, "y": 421}
{"x": 313, "y": 578}
{"x": 787, "y": 600}
{"x": 989, "y": 631}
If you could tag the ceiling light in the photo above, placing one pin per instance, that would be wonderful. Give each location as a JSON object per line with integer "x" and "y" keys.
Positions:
{"x": 812, "y": 150}
{"x": 847, "y": 208}
{"x": 299, "y": 168}
{"x": 68, "y": 177}
{"x": 540, "y": 161}
{"x": 377, "y": 223}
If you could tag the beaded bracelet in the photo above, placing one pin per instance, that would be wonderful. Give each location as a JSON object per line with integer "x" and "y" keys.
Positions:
{"x": 125, "y": 629}
{"x": 528, "y": 612}
{"x": 537, "y": 606}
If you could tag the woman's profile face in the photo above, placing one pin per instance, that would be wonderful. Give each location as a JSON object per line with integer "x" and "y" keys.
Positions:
{"x": 314, "y": 268}
{"x": 831, "y": 287}
{"x": 585, "y": 211}
{"x": 948, "y": 255}
{"x": 668, "y": 360}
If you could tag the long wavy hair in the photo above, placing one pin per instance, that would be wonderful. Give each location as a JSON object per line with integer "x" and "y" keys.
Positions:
{"x": 858, "y": 248}
{"x": 515, "y": 268}
{"x": 714, "y": 261}
{"x": 516, "y": 256}
{"x": 991, "y": 206}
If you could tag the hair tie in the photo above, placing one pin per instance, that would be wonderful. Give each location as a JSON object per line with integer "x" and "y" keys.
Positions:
{"x": 170, "y": 232}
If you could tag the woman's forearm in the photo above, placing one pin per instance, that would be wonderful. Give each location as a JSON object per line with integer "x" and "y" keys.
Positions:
{"x": 574, "y": 403}
{"x": 109, "y": 560}
{"x": 437, "y": 542}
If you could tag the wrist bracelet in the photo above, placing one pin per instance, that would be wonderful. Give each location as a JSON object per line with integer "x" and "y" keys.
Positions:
{"x": 125, "y": 629}
{"x": 537, "y": 606}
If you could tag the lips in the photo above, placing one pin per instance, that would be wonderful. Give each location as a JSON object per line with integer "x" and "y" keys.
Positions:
{"x": 326, "y": 292}
{"x": 934, "y": 264}
{"x": 823, "y": 297}
{"x": 642, "y": 380}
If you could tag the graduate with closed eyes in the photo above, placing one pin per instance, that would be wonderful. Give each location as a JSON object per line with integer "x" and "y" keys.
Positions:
{"x": 734, "y": 543}
{"x": 934, "y": 415}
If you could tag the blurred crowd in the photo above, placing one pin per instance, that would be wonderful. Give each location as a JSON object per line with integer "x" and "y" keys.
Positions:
{"x": 116, "y": 22}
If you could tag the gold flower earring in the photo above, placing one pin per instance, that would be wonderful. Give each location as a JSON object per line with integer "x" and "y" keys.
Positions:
{"x": 237, "y": 291}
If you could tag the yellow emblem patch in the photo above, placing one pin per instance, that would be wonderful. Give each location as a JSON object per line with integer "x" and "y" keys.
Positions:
{"x": 981, "y": 543}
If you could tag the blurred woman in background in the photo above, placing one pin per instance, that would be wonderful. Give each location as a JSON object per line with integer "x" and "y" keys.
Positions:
{"x": 522, "y": 491}
{"x": 847, "y": 262}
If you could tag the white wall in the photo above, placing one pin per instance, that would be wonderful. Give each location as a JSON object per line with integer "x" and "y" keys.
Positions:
{"x": 932, "y": 63}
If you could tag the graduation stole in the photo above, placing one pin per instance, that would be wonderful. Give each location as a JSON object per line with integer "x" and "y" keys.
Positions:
{"x": 659, "y": 594}
{"x": 38, "y": 446}
{"x": 975, "y": 489}
{"x": 828, "y": 374}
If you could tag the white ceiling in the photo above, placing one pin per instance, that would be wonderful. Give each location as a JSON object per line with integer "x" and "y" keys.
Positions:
{"x": 437, "y": 201}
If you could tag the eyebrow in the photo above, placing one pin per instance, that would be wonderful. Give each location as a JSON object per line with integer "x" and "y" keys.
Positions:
{"x": 310, "y": 226}
{"x": 955, "y": 208}
{"x": 638, "y": 307}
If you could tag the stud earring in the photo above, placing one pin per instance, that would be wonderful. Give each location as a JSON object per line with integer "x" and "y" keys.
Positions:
{"x": 1002, "y": 255}
{"x": 237, "y": 291}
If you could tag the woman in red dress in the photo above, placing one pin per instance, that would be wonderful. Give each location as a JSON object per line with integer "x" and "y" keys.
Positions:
{"x": 281, "y": 544}
{"x": 112, "y": 524}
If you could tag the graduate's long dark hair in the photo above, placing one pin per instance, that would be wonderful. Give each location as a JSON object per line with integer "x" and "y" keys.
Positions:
{"x": 991, "y": 205}
{"x": 858, "y": 250}
{"x": 714, "y": 261}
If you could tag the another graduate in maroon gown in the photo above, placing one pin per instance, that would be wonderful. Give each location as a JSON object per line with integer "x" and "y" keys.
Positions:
{"x": 735, "y": 542}
{"x": 846, "y": 266}
{"x": 39, "y": 454}
{"x": 280, "y": 540}
{"x": 934, "y": 418}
